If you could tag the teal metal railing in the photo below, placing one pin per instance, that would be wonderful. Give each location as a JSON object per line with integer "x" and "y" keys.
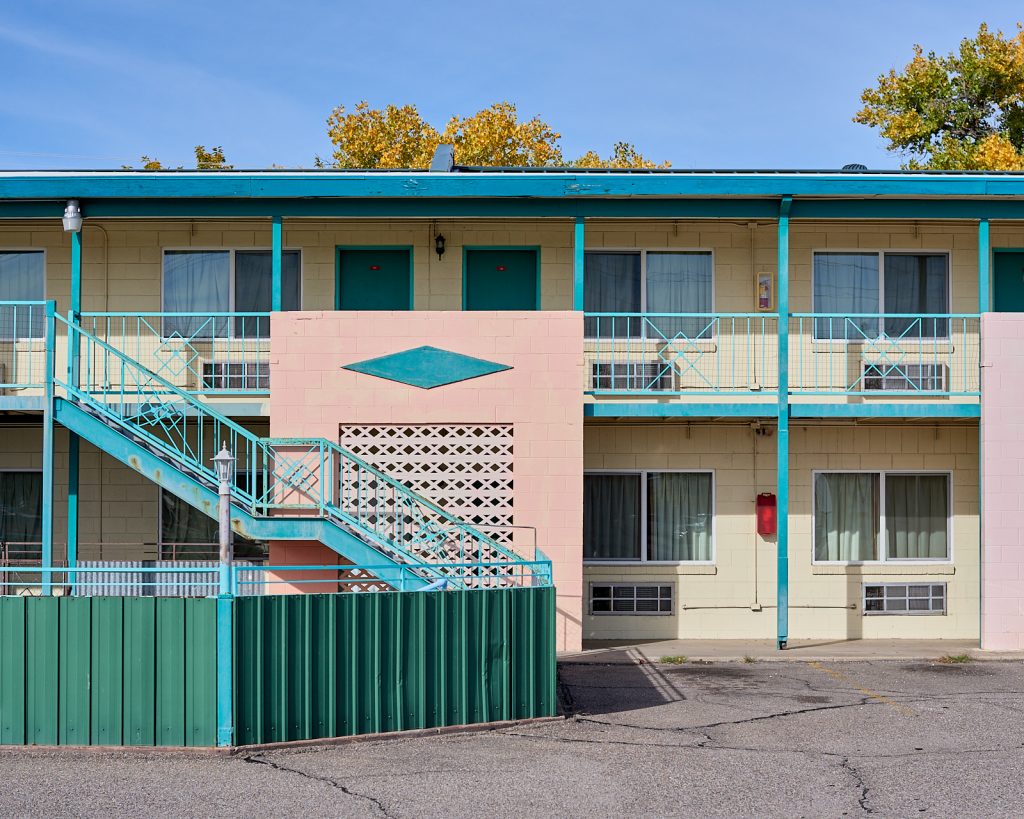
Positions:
{"x": 22, "y": 345}
{"x": 198, "y": 352}
{"x": 897, "y": 354}
{"x": 298, "y": 476}
{"x": 680, "y": 353}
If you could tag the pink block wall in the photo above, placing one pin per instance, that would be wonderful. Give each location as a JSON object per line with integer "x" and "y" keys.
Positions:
{"x": 1002, "y": 472}
{"x": 541, "y": 397}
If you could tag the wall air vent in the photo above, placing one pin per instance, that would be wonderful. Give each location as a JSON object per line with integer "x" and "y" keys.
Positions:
{"x": 631, "y": 376}
{"x": 886, "y": 377}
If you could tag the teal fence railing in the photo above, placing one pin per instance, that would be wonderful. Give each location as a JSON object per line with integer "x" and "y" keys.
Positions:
{"x": 22, "y": 345}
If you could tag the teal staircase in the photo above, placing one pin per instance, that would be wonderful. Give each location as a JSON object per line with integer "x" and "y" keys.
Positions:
{"x": 284, "y": 489}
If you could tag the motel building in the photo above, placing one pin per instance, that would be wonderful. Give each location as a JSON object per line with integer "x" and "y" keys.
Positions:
{"x": 697, "y": 404}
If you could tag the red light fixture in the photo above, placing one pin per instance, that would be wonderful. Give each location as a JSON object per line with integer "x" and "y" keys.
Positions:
{"x": 374, "y": 267}
{"x": 501, "y": 268}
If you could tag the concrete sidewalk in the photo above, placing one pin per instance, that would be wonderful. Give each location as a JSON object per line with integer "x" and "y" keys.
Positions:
{"x": 610, "y": 651}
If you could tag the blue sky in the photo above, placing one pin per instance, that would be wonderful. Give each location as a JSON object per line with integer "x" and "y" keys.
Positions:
{"x": 710, "y": 84}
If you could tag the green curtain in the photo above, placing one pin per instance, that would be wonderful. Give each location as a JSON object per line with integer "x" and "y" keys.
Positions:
{"x": 846, "y": 516}
{"x": 611, "y": 517}
{"x": 916, "y": 516}
{"x": 679, "y": 515}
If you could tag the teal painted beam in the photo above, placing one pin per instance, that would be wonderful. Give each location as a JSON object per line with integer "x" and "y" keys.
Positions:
{"x": 984, "y": 267}
{"x": 76, "y": 306}
{"x": 782, "y": 442}
{"x": 225, "y": 671}
{"x": 578, "y": 263}
{"x": 46, "y": 552}
{"x": 276, "y": 286}
{"x": 16, "y": 402}
{"x": 679, "y": 410}
{"x": 903, "y": 410}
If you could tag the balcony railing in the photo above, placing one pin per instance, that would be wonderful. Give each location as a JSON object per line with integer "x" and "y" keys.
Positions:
{"x": 22, "y": 345}
{"x": 896, "y": 354}
{"x": 680, "y": 353}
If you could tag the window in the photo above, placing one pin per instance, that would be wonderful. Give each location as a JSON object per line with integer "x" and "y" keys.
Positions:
{"x": 647, "y": 281}
{"x": 848, "y": 284}
{"x": 900, "y": 598}
{"x": 225, "y": 281}
{"x": 647, "y": 516}
{"x": 878, "y": 516}
{"x": 188, "y": 534}
{"x": 22, "y": 278}
{"x": 628, "y": 598}
{"x": 21, "y": 515}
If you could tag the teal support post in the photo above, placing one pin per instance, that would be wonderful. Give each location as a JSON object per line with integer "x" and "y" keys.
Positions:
{"x": 76, "y": 306}
{"x": 276, "y": 296}
{"x": 73, "y": 379}
{"x": 578, "y": 263}
{"x": 46, "y": 551}
{"x": 225, "y": 666}
{"x": 782, "y": 537}
{"x": 984, "y": 268}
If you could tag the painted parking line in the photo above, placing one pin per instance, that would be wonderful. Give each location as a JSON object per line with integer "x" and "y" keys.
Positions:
{"x": 867, "y": 692}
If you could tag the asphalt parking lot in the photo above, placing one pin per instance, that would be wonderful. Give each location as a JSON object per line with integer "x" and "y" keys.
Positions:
{"x": 722, "y": 739}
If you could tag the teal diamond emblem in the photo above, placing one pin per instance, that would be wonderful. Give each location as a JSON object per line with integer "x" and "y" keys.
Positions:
{"x": 427, "y": 367}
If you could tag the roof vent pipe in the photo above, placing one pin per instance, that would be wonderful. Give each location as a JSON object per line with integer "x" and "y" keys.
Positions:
{"x": 855, "y": 166}
{"x": 444, "y": 159}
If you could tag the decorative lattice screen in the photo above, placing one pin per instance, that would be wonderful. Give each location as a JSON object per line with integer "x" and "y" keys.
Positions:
{"x": 466, "y": 469}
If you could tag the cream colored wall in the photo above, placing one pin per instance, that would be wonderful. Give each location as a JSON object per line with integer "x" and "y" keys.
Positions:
{"x": 716, "y": 601}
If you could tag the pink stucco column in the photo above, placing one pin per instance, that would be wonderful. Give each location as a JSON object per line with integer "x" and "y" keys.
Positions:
{"x": 1002, "y": 475}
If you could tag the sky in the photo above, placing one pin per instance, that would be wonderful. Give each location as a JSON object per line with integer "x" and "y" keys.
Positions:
{"x": 700, "y": 84}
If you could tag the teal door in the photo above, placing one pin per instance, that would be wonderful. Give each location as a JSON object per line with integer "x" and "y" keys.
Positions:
{"x": 500, "y": 279}
{"x": 374, "y": 279}
{"x": 1008, "y": 281}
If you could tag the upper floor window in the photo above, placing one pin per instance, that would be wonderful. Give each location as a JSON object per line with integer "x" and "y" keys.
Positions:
{"x": 853, "y": 287}
{"x": 652, "y": 282}
{"x": 225, "y": 281}
{"x": 22, "y": 278}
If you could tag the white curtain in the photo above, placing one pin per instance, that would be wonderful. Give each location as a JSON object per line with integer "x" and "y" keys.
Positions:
{"x": 197, "y": 282}
{"x": 680, "y": 283}
{"x": 22, "y": 278}
{"x": 846, "y": 283}
{"x": 679, "y": 515}
{"x": 611, "y": 284}
{"x": 611, "y": 517}
{"x": 846, "y": 516}
{"x": 916, "y": 516}
{"x": 916, "y": 283}
{"x": 21, "y": 513}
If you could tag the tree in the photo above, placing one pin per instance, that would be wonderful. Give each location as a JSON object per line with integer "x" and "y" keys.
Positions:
{"x": 396, "y": 137}
{"x": 961, "y": 111}
{"x": 496, "y": 137}
{"x": 148, "y": 164}
{"x": 211, "y": 160}
{"x": 624, "y": 155}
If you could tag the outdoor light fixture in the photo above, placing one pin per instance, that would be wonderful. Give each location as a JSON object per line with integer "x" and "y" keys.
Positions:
{"x": 223, "y": 461}
{"x": 439, "y": 245}
{"x": 72, "y": 217}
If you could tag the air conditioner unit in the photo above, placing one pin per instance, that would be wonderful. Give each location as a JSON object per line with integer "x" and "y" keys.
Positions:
{"x": 886, "y": 377}
{"x": 234, "y": 376}
{"x": 632, "y": 376}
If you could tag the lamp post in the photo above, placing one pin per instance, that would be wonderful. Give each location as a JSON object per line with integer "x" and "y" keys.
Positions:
{"x": 224, "y": 462}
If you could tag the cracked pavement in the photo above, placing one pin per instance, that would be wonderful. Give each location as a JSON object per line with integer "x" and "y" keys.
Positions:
{"x": 723, "y": 739}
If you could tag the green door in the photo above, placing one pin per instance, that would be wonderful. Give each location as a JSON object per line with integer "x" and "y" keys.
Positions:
{"x": 374, "y": 279}
{"x": 498, "y": 279}
{"x": 1008, "y": 276}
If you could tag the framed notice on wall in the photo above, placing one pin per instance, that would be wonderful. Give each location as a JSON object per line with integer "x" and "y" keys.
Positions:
{"x": 764, "y": 292}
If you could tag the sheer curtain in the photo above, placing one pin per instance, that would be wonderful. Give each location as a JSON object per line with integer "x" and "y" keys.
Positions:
{"x": 846, "y": 516}
{"x": 22, "y": 278}
{"x": 21, "y": 513}
{"x": 679, "y": 515}
{"x": 916, "y": 283}
{"x": 611, "y": 284}
{"x": 680, "y": 283}
{"x": 254, "y": 285}
{"x": 611, "y": 517}
{"x": 196, "y": 282}
{"x": 846, "y": 283}
{"x": 916, "y": 516}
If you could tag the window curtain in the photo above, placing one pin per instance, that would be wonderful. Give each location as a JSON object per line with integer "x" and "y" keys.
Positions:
{"x": 916, "y": 516}
{"x": 916, "y": 283}
{"x": 679, "y": 516}
{"x": 679, "y": 283}
{"x": 845, "y": 283}
{"x": 196, "y": 282}
{"x": 846, "y": 516}
{"x": 21, "y": 514}
{"x": 22, "y": 278}
{"x": 611, "y": 284}
{"x": 254, "y": 288}
{"x": 611, "y": 517}
{"x": 185, "y": 532}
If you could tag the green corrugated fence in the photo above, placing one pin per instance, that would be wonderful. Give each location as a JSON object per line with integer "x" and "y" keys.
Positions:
{"x": 108, "y": 671}
{"x": 323, "y": 665}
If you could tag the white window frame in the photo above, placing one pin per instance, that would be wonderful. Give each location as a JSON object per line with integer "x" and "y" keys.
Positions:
{"x": 644, "y": 560}
{"x": 19, "y": 470}
{"x": 631, "y": 584}
{"x": 231, "y": 251}
{"x": 41, "y": 250}
{"x": 881, "y": 254}
{"x": 882, "y": 557}
{"x": 908, "y": 611}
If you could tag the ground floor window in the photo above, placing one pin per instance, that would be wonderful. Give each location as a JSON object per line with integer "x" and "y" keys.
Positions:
{"x": 630, "y": 598}
{"x": 648, "y": 516}
{"x": 904, "y": 598}
{"x": 21, "y": 515}
{"x": 188, "y": 534}
{"x": 880, "y": 516}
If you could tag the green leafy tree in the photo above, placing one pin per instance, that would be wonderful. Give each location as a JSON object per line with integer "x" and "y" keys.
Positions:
{"x": 960, "y": 111}
{"x": 211, "y": 160}
{"x": 624, "y": 155}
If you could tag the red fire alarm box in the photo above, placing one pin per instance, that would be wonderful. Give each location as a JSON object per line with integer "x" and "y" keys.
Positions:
{"x": 767, "y": 514}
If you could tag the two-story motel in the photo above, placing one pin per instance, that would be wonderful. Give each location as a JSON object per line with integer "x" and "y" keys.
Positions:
{"x": 724, "y": 404}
